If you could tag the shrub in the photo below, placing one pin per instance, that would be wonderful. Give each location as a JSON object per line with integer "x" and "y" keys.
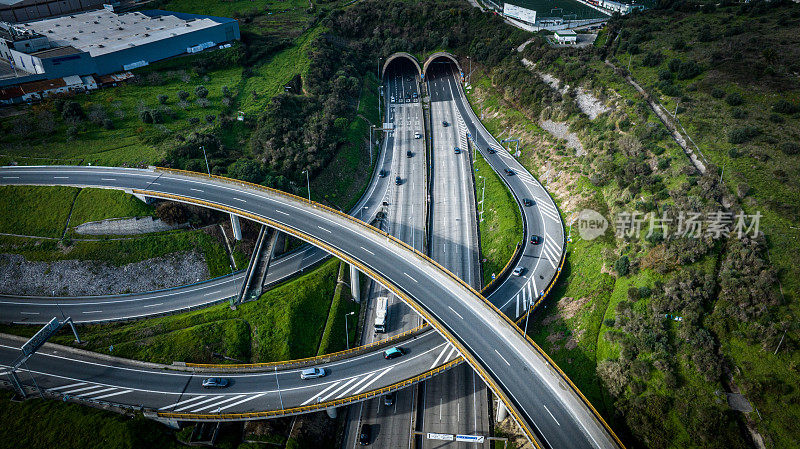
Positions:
{"x": 785, "y": 107}
{"x": 743, "y": 134}
{"x": 108, "y": 124}
{"x": 210, "y": 118}
{"x": 183, "y": 95}
{"x": 194, "y": 120}
{"x": 674, "y": 65}
{"x": 622, "y": 266}
{"x": 644, "y": 291}
{"x": 717, "y": 93}
{"x": 734, "y": 99}
{"x": 226, "y": 92}
{"x": 652, "y": 59}
{"x": 664, "y": 75}
{"x": 72, "y": 112}
{"x": 633, "y": 294}
{"x": 688, "y": 70}
{"x": 201, "y": 91}
{"x": 738, "y": 113}
{"x": 158, "y": 116}
{"x": 734, "y": 152}
{"x": 163, "y": 99}
{"x": 776, "y": 118}
{"x": 790, "y": 148}
{"x": 146, "y": 116}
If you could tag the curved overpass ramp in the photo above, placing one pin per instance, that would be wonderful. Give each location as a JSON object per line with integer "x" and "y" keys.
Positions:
{"x": 516, "y": 370}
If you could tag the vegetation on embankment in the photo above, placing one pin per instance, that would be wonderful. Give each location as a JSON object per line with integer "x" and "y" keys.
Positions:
{"x": 501, "y": 227}
{"x": 285, "y": 323}
{"x": 39, "y": 424}
{"x": 661, "y": 382}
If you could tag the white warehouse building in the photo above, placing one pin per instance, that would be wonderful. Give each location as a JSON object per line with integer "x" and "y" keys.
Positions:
{"x": 102, "y": 42}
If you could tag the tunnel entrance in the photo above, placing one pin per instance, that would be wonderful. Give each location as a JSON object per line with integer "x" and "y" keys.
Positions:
{"x": 402, "y": 59}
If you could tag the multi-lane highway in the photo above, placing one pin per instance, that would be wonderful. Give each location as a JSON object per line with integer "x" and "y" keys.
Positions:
{"x": 105, "y": 308}
{"x": 515, "y": 370}
{"x": 406, "y": 218}
{"x": 454, "y": 402}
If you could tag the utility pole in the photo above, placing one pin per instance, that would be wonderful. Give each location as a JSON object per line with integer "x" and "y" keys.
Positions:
{"x": 675, "y": 115}
{"x": 346, "y": 330}
{"x": 483, "y": 195}
{"x": 308, "y": 184}
{"x": 208, "y": 168}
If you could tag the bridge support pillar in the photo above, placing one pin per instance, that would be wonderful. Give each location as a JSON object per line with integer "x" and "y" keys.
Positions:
{"x": 502, "y": 411}
{"x": 332, "y": 413}
{"x": 236, "y": 227}
{"x": 355, "y": 284}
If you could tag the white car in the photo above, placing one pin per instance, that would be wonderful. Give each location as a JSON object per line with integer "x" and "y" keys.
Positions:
{"x": 417, "y": 135}
{"x": 518, "y": 271}
{"x": 392, "y": 98}
{"x": 312, "y": 373}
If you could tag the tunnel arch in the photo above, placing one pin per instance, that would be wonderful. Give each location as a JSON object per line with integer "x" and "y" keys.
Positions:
{"x": 437, "y": 55}
{"x": 401, "y": 54}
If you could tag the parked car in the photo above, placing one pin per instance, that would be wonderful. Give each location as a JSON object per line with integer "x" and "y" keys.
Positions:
{"x": 215, "y": 382}
{"x": 365, "y": 436}
{"x": 393, "y": 353}
{"x": 518, "y": 271}
{"x": 535, "y": 240}
{"x": 312, "y": 373}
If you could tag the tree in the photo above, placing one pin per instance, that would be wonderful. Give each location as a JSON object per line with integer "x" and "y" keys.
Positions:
{"x": 201, "y": 91}
{"x": 183, "y": 95}
{"x": 163, "y": 99}
{"x": 146, "y": 116}
{"x": 622, "y": 266}
{"x": 246, "y": 170}
{"x": 72, "y": 112}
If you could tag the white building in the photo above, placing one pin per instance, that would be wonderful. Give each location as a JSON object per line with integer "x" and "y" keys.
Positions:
{"x": 566, "y": 37}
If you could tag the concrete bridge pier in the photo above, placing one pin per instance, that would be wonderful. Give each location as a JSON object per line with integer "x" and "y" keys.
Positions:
{"x": 502, "y": 411}
{"x": 236, "y": 227}
{"x": 355, "y": 284}
{"x": 332, "y": 413}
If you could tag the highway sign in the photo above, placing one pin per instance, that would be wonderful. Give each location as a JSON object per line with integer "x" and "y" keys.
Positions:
{"x": 40, "y": 337}
{"x": 470, "y": 438}
{"x": 441, "y": 436}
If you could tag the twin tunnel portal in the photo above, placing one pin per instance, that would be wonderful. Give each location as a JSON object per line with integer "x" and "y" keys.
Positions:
{"x": 524, "y": 388}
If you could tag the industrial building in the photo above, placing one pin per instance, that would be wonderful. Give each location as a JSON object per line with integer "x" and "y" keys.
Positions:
{"x": 101, "y": 42}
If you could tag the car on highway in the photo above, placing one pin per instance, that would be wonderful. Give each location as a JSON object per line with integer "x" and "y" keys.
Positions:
{"x": 457, "y": 150}
{"x": 215, "y": 382}
{"x": 535, "y": 240}
{"x": 528, "y": 202}
{"x": 393, "y": 353}
{"x": 398, "y": 180}
{"x": 518, "y": 271}
{"x": 491, "y": 150}
{"x": 388, "y": 399}
{"x": 445, "y": 124}
{"x": 365, "y": 436}
{"x": 392, "y": 98}
{"x": 382, "y": 173}
{"x": 415, "y": 95}
{"x": 312, "y": 373}
{"x": 509, "y": 172}
{"x": 409, "y": 153}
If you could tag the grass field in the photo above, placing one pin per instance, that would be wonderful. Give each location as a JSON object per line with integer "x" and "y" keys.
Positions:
{"x": 121, "y": 252}
{"x": 501, "y": 228}
{"x": 43, "y": 424}
{"x": 333, "y": 337}
{"x": 34, "y": 210}
{"x": 100, "y": 204}
{"x": 285, "y": 323}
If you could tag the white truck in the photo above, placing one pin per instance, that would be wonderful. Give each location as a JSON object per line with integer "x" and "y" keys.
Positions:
{"x": 381, "y": 309}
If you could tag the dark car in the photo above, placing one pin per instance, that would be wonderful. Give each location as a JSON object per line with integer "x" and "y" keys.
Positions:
{"x": 528, "y": 202}
{"x": 491, "y": 150}
{"x": 388, "y": 399}
{"x": 398, "y": 181}
{"x": 382, "y": 173}
{"x": 445, "y": 124}
{"x": 365, "y": 435}
{"x": 535, "y": 240}
{"x": 393, "y": 353}
{"x": 409, "y": 153}
{"x": 509, "y": 172}
{"x": 215, "y": 382}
